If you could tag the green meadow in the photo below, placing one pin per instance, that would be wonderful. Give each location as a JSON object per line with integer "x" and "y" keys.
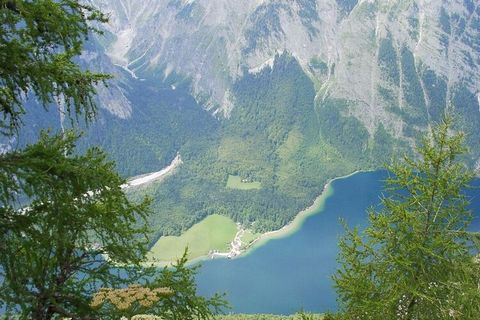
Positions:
{"x": 235, "y": 182}
{"x": 212, "y": 233}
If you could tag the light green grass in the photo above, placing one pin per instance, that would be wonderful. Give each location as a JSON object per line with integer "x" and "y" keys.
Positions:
{"x": 235, "y": 182}
{"x": 213, "y": 233}
{"x": 247, "y": 238}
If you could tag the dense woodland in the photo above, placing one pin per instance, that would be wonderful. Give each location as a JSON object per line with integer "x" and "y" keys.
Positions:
{"x": 276, "y": 135}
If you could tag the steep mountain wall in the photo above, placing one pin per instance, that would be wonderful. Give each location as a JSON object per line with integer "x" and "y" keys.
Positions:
{"x": 348, "y": 47}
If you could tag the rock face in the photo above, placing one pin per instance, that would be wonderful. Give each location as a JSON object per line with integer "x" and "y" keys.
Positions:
{"x": 413, "y": 54}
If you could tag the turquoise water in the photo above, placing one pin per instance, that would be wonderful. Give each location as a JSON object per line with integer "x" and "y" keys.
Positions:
{"x": 293, "y": 273}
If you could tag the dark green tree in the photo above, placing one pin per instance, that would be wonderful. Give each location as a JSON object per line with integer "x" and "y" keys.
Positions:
{"x": 78, "y": 226}
{"x": 416, "y": 259}
{"x": 38, "y": 43}
{"x": 180, "y": 302}
{"x": 185, "y": 303}
{"x": 66, "y": 226}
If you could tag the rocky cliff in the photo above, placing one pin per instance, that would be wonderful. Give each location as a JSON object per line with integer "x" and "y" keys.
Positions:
{"x": 387, "y": 57}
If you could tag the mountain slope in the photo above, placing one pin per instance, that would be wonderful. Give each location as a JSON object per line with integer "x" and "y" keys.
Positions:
{"x": 285, "y": 94}
{"x": 213, "y": 43}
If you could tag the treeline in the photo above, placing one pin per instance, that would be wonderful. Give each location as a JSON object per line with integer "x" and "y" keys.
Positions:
{"x": 276, "y": 135}
{"x": 258, "y": 143}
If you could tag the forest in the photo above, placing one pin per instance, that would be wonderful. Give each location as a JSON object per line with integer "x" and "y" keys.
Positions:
{"x": 276, "y": 136}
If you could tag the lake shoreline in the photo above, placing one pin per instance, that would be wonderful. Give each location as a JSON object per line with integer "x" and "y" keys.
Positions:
{"x": 285, "y": 231}
{"x": 297, "y": 222}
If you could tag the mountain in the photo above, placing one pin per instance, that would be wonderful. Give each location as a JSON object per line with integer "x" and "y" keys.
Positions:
{"x": 374, "y": 53}
{"x": 286, "y": 94}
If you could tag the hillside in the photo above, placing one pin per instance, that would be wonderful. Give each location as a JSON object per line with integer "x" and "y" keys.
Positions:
{"x": 283, "y": 96}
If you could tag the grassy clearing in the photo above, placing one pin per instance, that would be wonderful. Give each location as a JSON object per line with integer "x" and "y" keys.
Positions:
{"x": 213, "y": 233}
{"x": 235, "y": 182}
{"x": 248, "y": 237}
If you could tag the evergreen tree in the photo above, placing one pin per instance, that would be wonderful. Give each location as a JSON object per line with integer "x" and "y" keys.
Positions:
{"x": 67, "y": 228}
{"x": 176, "y": 296}
{"x": 38, "y": 43}
{"x": 416, "y": 259}
{"x": 78, "y": 226}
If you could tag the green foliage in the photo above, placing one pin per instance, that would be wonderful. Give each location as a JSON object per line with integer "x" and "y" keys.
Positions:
{"x": 446, "y": 26}
{"x": 236, "y": 182}
{"x": 275, "y": 136}
{"x": 169, "y": 120}
{"x": 466, "y": 106}
{"x": 39, "y": 40}
{"x": 390, "y": 98}
{"x": 183, "y": 303}
{"x": 414, "y": 24}
{"x": 52, "y": 249}
{"x": 308, "y": 14}
{"x": 66, "y": 226}
{"x": 272, "y": 137}
{"x": 308, "y": 316}
{"x": 387, "y": 56}
{"x": 264, "y": 141}
{"x": 471, "y": 37}
{"x": 469, "y": 5}
{"x": 76, "y": 211}
{"x": 383, "y": 146}
{"x": 215, "y": 232}
{"x": 445, "y": 21}
{"x": 188, "y": 12}
{"x": 436, "y": 89}
{"x": 415, "y": 113}
{"x": 416, "y": 260}
{"x": 346, "y": 133}
{"x": 319, "y": 66}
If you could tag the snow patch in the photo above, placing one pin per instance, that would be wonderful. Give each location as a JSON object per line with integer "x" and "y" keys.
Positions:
{"x": 366, "y": 1}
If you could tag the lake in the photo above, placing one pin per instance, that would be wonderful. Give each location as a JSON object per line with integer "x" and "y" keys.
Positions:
{"x": 294, "y": 273}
